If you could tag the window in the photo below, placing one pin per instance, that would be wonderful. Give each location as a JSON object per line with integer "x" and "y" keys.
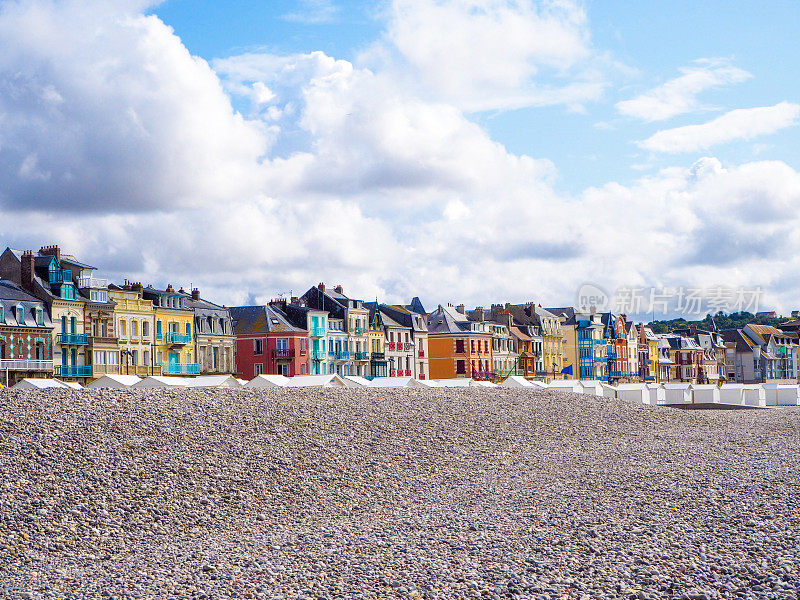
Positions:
{"x": 303, "y": 369}
{"x": 258, "y": 369}
{"x": 99, "y": 358}
{"x": 146, "y": 358}
{"x": 72, "y": 323}
{"x": 135, "y": 357}
{"x": 461, "y": 367}
{"x": 283, "y": 369}
{"x": 134, "y": 329}
{"x": 112, "y": 358}
{"x": 20, "y": 314}
{"x": 123, "y": 328}
{"x": 39, "y": 316}
{"x": 282, "y": 343}
{"x": 258, "y": 346}
{"x": 159, "y": 334}
{"x": 460, "y": 346}
{"x": 146, "y": 329}
{"x": 2, "y": 314}
{"x": 189, "y": 329}
{"x": 302, "y": 345}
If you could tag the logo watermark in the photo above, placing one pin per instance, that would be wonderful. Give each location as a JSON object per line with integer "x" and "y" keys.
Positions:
{"x": 686, "y": 301}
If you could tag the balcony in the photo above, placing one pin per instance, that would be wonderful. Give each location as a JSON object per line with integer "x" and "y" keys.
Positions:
{"x": 358, "y": 331}
{"x": 179, "y": 339}
{"x": 11, "y": 364}
{"x": 60, "y": 276}
{"x": 180, "y": 369}
{"x": 317, "y": 355}
{"x": 72, "y": 338}
{"x": 421, "y": 353}
{"x": 339, "y": 354}
{"x": 361, "y": 355}
{"x": 317, "y": 332}
{"x": 408, "y": 372}
{"x": 92, "y": 282}
{"x": 378, "y": 356}
{"x": 73, "y": 371}
{"x": 283, "y": 353}
{"x": 392, "y": 346}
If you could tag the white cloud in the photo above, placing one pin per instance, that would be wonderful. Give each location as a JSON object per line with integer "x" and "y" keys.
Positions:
{"x": 679, "y": 95}
{"x": 499, "y": 54}
{"x": 340, "y": 173}
{"x": 740, "y": 124}
{"x": 314, "y": 12}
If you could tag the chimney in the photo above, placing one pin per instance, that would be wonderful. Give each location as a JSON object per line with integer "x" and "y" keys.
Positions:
{"x": 460, "y": 308}
{"x": 51, "y": 251}
{"x": 181, "y": 291}
{"x": 481, "y": 313}
{"x": 295, "y": 300}
{"x": 170, "y": 289}
{"x": 693, "y": 329}
{"x": 195, "y": 294}
{"x": 321, "y": 287}
{"x": 339, "y": 289}
{"x": 27, "y": 270}
{"x": 136, "y": 287}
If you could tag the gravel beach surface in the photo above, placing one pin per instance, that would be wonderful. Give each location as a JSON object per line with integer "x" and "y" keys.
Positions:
{"x": 359, "y": 493}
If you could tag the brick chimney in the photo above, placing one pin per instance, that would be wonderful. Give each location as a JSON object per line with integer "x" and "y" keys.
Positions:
{"x": 481, "y": 313}
{"x": 195, "y": 294}
{"x": 321, "y": 287}
{"x": 51, "y": 251}
{"x": 339, "y": 289}
{"x": 27, "y": 271}
{"x": 461, "y": 308}
{"x": 137, "y": 287}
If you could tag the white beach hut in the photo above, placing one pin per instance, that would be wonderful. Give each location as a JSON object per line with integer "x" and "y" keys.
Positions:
{"x": 705, "y": 393}
{"x": 266, "y": 381}
{"x": 159, "y": 381}
{"x": 456, "y": 382}
{"x": 214, "y": 381}
{"x": 114, "y": 381}
{"x": 677, "y": 393}
{"x": 656, "y": 393}
{"x": 356, "y": 381}
{"x": 566, "y": 385}
{"x": 331, "y": 380}
{"x": 72, "y": 384}
{"x": 607, "y": 391}
{"x": 516, "y": 381}
{"x": 482, "y": 384}
{"x": 38, "y": 384}
{"x": 731, "y": 394}
{"x": 592, "y": 387}
{"x": 388, "y": 382}
{"x": 754, "y": 395}
{"x": 633, "y": 392}
{"x": 788, "y": 395}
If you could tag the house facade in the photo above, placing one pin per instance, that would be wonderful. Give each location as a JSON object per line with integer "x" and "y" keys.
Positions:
{"x": 26, "y": 336}
{"x": 412, "y": 317}
{"x": 214, "y": 338}
{"x": 173, "y": 349}
{"x": 458, "y": 347}
{"x": 135, "y": 328}
{"x": 267, "y": 342}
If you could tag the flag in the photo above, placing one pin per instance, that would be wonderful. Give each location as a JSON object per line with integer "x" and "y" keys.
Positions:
{"x": 567, "y": 370}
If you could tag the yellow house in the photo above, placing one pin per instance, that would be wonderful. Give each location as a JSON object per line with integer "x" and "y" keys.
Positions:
{"x": 135, "y": 326}
{"x": 173, "y": 349}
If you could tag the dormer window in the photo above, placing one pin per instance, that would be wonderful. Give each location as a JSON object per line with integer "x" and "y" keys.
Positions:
{"x": 20, "y": 314}
{"x": 39, "y": 316}
{"x": 2, "y": 314}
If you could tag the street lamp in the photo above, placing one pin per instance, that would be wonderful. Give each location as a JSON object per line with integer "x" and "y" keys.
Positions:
{"x": 128, "y": 355}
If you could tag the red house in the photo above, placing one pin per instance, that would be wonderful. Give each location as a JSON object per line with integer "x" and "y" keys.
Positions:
{"x": 266, "y": 342}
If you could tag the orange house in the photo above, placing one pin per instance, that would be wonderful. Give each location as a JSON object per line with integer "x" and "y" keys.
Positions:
{"x": 458, "y": 347}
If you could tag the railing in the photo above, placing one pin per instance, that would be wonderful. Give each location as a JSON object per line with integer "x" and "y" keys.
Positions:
{"x": 421, "y": 353}
{"x": 317, "y": 332}
{"x": 378, "y": 356}
{"x": 72, "y": 338}
{"x": 421, "y": 376}
{"x": 26, "y": 365}
{"x": 73, "y": 371}
{"x": 179, "y": 338}
{"x": 362, "y": 355}
{"x": 408, "y": 372}
{"x": 339, "y": 354}
{"x": 317, "y": 355}
{"x": 392, "y": 346}
{"x": 358, "y": 331}
{"x": 92, "y": 282}
{"x": 180, "y": 368}
{"x": 410, "y": 347}
{"x": 283, "y": 353}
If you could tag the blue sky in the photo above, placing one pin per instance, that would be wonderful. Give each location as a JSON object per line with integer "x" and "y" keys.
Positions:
{"x": 651, "y": 39}
{"x": 469, "y": 151}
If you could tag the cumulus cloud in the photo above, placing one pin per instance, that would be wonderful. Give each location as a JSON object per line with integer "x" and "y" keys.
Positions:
{"x": 103, "y": 108}
{"x": 336, "y": 171}
{"x": 679, "y": 95}
{"x": 740, "y": 124}
{"x": 499, "y": 54}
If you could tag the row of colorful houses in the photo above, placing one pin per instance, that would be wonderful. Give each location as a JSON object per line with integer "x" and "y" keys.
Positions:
{"x": 58, "y": 318}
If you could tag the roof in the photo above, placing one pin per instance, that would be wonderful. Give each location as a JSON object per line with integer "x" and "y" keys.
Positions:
{"x": 743, "y": 344}
{"x": 518, "y": 333}
{"x": 248, "y": 320}
{"x": 13, "y": 293}
{"x": 71, "y": 260}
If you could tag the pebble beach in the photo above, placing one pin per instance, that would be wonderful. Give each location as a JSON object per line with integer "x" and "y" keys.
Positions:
{"x": 393, "y": 493}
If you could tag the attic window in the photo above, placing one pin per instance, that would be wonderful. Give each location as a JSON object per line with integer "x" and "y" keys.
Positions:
{"x": 274, "y": 321}
{"x": 20, "y": 314}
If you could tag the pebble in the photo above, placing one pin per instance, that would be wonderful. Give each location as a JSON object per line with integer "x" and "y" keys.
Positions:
{"x": 407, "y": 493}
